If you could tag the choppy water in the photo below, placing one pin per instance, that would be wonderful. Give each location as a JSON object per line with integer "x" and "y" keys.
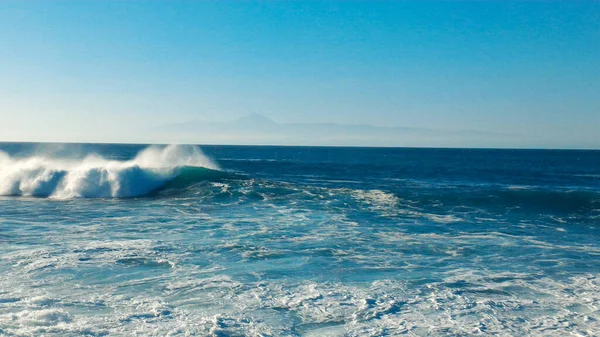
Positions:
{"x": 276, "y": 241}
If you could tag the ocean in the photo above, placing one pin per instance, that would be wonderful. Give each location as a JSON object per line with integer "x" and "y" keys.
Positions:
{"x": 134, "y": 240}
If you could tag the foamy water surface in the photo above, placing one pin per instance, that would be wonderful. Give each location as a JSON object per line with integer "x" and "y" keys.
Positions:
{"x": 172, "y": 241}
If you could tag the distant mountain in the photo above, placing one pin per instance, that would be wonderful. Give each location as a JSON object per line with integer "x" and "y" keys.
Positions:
{"x": 254, "y": 120}
{"x": 258, "y": 129}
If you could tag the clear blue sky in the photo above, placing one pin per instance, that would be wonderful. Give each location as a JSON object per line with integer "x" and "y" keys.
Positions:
{"x": 110, "y": 71}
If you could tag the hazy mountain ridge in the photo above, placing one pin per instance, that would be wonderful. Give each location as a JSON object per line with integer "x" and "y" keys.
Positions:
{"x": 259, "y": 129}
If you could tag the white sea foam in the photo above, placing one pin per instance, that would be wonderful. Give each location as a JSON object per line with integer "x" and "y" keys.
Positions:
{"x": 446, "y": 219}
{"x": 376, "y": 198}
{"x": 94, "y": 176}
{"x": 191, "y": 302}
{"x": 43, "y": 317}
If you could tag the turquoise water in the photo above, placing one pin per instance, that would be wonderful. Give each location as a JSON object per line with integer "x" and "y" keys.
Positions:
{"x": 121, "y": 240}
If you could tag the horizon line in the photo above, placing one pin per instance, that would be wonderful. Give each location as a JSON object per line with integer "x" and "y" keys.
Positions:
{"x": 305, "y": 146}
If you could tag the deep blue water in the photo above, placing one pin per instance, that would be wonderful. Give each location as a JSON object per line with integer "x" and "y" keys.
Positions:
{"x": 298, "y": 241}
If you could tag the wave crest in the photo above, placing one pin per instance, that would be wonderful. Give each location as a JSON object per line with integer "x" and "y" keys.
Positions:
{"x": 97, "y": 177}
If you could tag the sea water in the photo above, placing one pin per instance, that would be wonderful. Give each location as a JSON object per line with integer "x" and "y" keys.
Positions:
{"x": 122, "y": 240}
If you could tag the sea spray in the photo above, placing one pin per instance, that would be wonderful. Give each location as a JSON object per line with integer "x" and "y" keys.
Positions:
{"x": 96, "y": 177}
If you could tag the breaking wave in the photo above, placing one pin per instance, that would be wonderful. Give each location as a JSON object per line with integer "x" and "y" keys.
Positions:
{"x": 155, "y": 167}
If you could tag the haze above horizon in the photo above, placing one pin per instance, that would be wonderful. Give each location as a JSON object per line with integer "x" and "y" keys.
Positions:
{"x": 397, "y": 73}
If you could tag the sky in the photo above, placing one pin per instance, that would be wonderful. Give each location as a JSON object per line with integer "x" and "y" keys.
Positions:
{"x": 508, "y": 74}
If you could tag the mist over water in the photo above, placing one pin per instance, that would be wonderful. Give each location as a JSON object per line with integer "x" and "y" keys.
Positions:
{"x": 300, "y": 241}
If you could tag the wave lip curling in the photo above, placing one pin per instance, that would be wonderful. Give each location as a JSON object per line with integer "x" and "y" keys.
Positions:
{"x": 95, "y": 176}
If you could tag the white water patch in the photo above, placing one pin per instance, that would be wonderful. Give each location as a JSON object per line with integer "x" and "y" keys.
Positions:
{"x": 445, "y": 219}
{"x": 485, "y": 304}
{"x": 121, "y": 294}
{"x": 388, "y": 204}
{"x": 385, "y": 203}
{"x": 109, "y": 254}
{"x": 95, "y": 176}
{"x": 377, "y": 199}
{"x": 43, "y": 317}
